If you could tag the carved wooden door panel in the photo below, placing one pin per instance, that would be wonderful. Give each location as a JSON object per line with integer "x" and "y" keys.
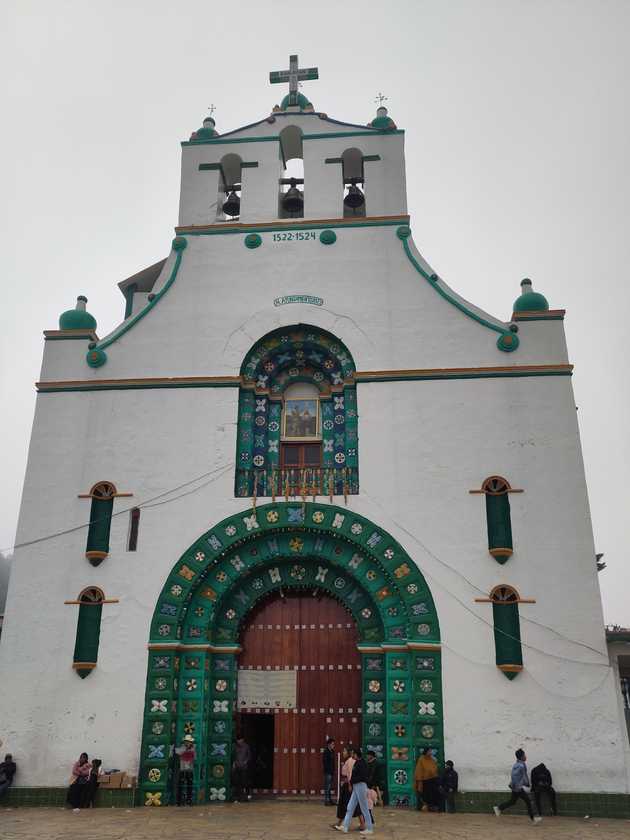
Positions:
{"x": 316, "y": 638}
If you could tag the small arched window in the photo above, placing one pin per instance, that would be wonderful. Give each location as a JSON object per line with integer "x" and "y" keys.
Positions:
{"x": 102, "y": 495}
{"x": 88, "y": 631}
{"x": 507, "y": 630}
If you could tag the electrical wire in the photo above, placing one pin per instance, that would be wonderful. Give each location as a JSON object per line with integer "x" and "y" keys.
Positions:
{"x": 220, "y": 470}
{"x": 476, "y": 588}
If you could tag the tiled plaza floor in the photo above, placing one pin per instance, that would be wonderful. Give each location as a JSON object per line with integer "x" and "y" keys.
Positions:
{"x": 284, "y": 821}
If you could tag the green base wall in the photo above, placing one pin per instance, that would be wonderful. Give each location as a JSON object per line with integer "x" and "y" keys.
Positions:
{"x": 613, "y": 805}
{"x": 609, "y": 805}
{"x": 55, "y": 797}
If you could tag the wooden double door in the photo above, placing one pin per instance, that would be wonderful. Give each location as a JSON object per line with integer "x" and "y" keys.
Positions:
{"x": 317, "y": 639}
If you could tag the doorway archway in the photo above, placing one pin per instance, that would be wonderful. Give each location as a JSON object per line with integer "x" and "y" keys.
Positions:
{"x": 196, "y": 627}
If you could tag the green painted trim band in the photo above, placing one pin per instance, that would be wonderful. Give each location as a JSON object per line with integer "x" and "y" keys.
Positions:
{"x": 185, "y": 231}
{"x": 433, "y": 281}
{"x": 179, "y": 245}
{"x": 488, "y": 375}
{"x": 323, "y": 136}
{"x": 139, "y": 386}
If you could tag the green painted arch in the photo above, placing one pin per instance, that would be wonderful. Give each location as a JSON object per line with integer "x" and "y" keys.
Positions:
{"x": 368, "y": 553}
{"x": 196, "y": 627}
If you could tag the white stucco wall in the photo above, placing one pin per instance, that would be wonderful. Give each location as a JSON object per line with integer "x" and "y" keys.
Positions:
{"x": 423, "y": 446}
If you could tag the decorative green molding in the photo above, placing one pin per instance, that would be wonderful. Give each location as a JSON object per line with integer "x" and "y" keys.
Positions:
{"x": 253, "y": 240}
{"x": 507, "y": 341}
{"x": 195, "y": 632}
{"x": 219, "y": 230}
{"x": 96, "y": 355}
{"x": 328, "y": 237}
{"x": 276, "y": 138}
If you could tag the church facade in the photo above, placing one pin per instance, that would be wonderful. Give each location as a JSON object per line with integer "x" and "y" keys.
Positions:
{"x": 305, "y": 489}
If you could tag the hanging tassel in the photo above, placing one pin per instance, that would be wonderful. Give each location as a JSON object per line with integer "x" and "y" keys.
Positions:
{"x": 345, "y": 486}
{"x": 330, "y": 486}
{"x": 273, "y": 485}
{"x": 255, "y": 492}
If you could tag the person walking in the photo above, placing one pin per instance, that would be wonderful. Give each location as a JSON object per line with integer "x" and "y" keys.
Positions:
{"x": 426, "y": 779}
{"x": 519, "y": 785}
{"x": 81, "y": 770}
{"x": 8, "y": 770}
{"x": 358, "y": 796}
{"x": 186, "y": 753}
{"x": 543, "y": 783}
{"x": 449, "y": 782}
{"x": 328, "y": 766}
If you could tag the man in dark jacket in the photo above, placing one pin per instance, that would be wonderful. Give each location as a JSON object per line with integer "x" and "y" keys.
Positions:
{"x": 542, "y": 783}
{"x": 7, "y": 772}
{"x": 328, "y": 766}
{"x": 449, "y": 781}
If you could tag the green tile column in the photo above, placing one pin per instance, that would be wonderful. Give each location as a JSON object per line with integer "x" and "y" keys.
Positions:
{"x": 154, "y": 780}
{"x": 193, "y": 689}
{"x": 427, "y": 705}
{"x": 399, "y": 727}
{"x": 221, "y": 735}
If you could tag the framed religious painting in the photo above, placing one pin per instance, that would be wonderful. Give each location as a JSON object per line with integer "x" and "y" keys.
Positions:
{"x": 301, "y": 419}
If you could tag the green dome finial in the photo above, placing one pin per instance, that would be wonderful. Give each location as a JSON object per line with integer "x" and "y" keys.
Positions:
{"x": 382, "y": 121}
{"x": 302, "y": 101}
{"x": 529, "y": 300}
{"x": 77, "y": 318}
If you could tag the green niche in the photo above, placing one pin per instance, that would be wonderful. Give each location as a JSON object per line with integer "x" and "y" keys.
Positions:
{"x": 179, "y": 243}
{"x": 403, "y": 232}
{"x": 253, "y": 240}
{"x": 508, "y": 342}
{"x": 328, "y": 237}
{"x": 499, "y": 526}
{"x": 507, "y": 637}
{"x": 96, "y": 357}
{"x": 100, "y": 523}
{"x": 88, "y": 635}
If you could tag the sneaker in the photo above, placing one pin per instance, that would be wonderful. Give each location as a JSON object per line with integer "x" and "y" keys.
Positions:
{"x": 537, "y": 820}
{"x": 366, "y": 834}
{"x": 341, "y": 828}
{"x": 76, "y": 810}
{"x": 497, "y": 810}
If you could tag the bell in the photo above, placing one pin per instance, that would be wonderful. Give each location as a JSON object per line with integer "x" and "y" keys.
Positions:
{"x": 293, "y": 200}
{"x": 355, "y": 197}
{"x": 232, "y": 205}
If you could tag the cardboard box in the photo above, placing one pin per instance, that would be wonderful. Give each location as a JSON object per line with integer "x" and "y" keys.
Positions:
{"x": 114, "y": 780}
{"x": 129, "y": 781}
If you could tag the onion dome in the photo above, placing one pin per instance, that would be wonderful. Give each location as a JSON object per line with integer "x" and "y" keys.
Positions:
{"x": 382, "y": 121}
{"x": 302, "y": 103}
{"x": 529, "y": 300}
{"x": 77, "y": 318}
{"x": 207, "y": 130}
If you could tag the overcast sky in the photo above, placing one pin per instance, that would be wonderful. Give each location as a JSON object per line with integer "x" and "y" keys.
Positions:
{"x": 516, "y": 119}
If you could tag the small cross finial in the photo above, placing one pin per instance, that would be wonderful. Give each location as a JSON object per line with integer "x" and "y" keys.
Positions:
{"x": 380, "y": 99}
{"x": 212, "y": 109}
{"x": 294, "y": 75}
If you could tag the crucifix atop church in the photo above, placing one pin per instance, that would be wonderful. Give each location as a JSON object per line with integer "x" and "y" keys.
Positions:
{"x": 294, "y": 75}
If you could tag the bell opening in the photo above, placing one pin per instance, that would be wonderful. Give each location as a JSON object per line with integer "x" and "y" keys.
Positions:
{"x": 228, "y": 204}
{"x": 354, "y": 198}
{"x": 231, "y": 207}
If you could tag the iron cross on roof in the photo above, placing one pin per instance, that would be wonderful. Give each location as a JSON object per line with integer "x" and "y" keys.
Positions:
{"x": 293, "y": 76}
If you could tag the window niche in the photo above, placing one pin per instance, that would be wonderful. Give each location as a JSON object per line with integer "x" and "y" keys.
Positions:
{"x": 90, "y": 603}
{"x": 496, "y": 489}
{"x": 102, "y": 495}
{"x": 507, "y": 628}
{"x": 290, "y": 197}
{"x": 297, "y": 424}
